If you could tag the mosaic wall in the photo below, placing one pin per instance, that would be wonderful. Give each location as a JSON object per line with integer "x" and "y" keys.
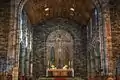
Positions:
{"x": 4, "y": 24}
{"x": 115, "y": 23}
{"x": 104, "y": 39}
{"x": 25, "y": 46}
{"x": 95, "y": 47}
{"x": 40, "y": 33}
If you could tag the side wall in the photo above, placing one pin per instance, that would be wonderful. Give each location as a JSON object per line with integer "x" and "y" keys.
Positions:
{"x": 115, "y": 23}
{"x": 4, "y": 29}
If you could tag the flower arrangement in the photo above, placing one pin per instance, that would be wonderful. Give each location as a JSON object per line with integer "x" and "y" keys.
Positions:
{"x": 65, "y": 67}
{"x": 53, "y": 67}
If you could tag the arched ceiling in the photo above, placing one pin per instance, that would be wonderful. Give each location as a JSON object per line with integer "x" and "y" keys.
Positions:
{"x": 40, "y": 10}
{"x": 115, "y": 4}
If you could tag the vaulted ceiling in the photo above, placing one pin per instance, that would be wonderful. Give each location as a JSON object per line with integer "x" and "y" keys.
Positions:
{"x": 115, "y": 4}
{"x": 40, "y": 10}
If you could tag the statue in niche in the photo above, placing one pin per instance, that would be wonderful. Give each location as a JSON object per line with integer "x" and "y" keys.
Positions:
{"x": 59, "y": 52}
{"x": 60, "y": 49}
{"x": 62, "y": 52}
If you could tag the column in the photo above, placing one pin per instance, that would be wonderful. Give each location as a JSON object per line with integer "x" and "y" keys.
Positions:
{"x": 108, "y": 42}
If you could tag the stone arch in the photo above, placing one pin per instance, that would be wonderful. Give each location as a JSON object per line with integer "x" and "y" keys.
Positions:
{"x": 13, "y": 42}
{"x": 16, "y": 14}
{"x": 19, "y": 14}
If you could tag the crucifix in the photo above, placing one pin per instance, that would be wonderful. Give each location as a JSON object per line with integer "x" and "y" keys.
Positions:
{"x": 59, "y": 60}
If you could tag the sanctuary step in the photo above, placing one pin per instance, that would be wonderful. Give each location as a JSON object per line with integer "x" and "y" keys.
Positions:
{"x": 60, "y": 79}
{"x": 60, "y": 72}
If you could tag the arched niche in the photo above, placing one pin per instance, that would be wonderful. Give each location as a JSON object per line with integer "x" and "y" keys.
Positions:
{"x": 59, "y": 46}
{"x": 118, "y": 66}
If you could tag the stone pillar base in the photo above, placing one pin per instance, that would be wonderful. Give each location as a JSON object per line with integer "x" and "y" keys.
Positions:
{"x": 9, "y": 77}
{"x": 22, "y": 78}
{"x": 117, "y": 77}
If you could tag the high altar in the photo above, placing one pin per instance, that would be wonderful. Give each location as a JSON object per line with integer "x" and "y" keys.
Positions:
{"x": 60, "y": 72}
{"x": 60, "y": 51}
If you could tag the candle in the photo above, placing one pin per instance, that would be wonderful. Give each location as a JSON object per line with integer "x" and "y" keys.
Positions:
{"x": 48, "y": 64}
{"x": 69, "y": 63}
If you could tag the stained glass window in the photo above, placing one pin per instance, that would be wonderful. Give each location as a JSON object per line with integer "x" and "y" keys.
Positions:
{"x": 25, "y": 43}
{"x": 95, "y": 19}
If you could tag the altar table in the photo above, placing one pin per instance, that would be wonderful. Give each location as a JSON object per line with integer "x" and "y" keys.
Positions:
{"x": 59, "y": 72}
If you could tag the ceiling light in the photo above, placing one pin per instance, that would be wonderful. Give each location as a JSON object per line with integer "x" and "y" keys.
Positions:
{"x": 72, "y": 9}
{"x": 47, "y": 14}
{"x": 46, "y": 9}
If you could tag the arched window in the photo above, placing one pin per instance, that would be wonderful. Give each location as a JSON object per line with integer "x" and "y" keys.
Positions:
{"x": 95, "y": 17}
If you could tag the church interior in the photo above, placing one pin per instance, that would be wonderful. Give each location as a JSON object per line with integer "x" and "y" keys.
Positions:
{"x": 59, "y": 39}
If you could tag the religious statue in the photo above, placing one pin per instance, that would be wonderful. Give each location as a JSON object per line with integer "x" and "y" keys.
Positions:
{"x": 60, "y": 50}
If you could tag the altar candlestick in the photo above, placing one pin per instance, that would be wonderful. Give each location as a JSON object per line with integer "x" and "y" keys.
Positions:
{"x": 48, "y": 64}
{"x": 69, "y": 64}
